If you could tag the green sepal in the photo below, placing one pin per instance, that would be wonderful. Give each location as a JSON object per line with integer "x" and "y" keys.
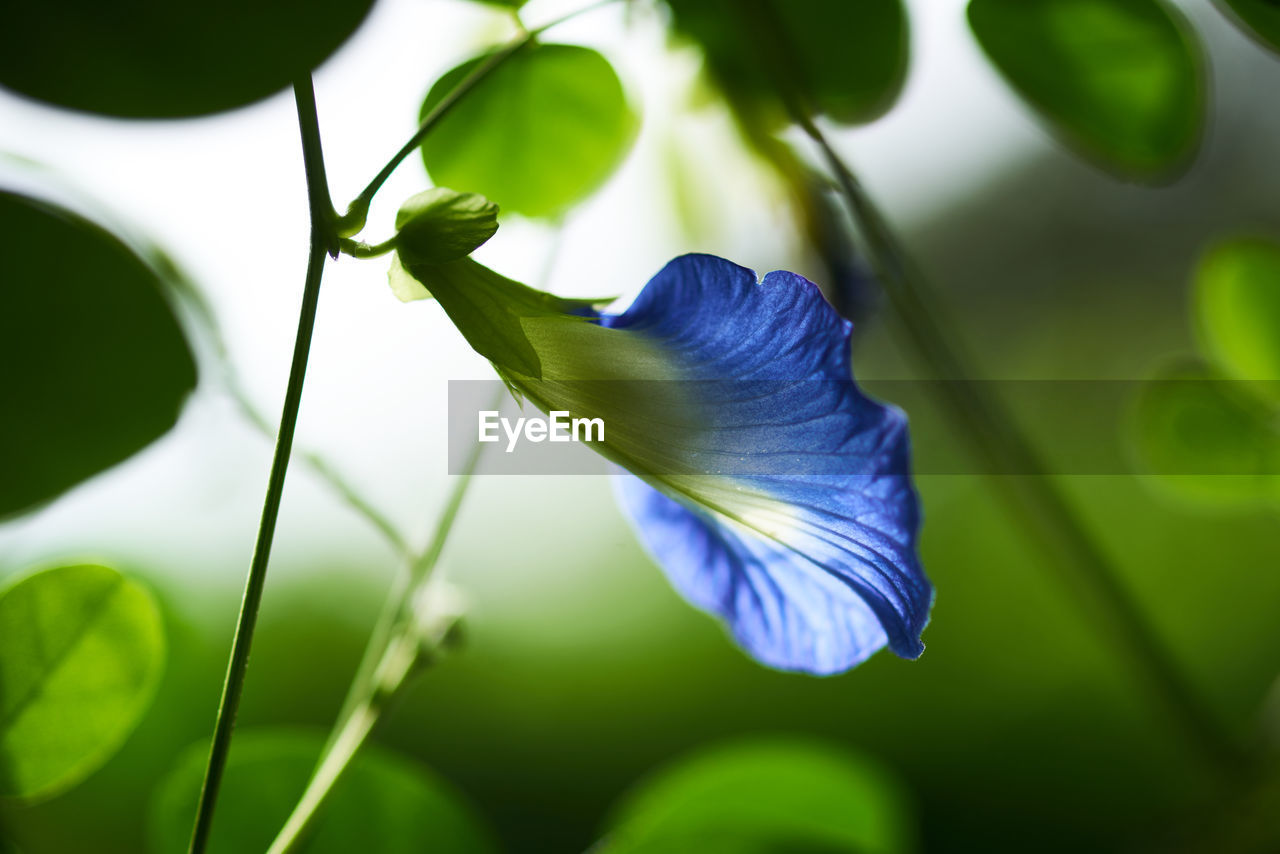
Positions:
{"x": 440, "y": 225}
{"x": 489, "y": 309}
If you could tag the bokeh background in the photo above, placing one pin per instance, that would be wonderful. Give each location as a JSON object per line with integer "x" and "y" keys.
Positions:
{"x": 1020, "y": 729}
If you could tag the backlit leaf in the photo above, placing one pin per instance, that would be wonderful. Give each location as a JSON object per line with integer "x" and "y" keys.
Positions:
{"x": 383, "y": 804}
{"x": 81, "y": 652}
{"x": 1120, "y": 81}
{"x": 847, "y": 60}
{"x": 761, "y": 797}
{"x": 1206, "y": 436}
{"x": 541, "y": 132}
{"x": 1237, "y": 306}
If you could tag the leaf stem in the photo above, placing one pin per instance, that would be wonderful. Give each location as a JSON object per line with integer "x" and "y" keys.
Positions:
{"x": 357, "y": 249}
{"x": 353, "y": 220}
{"x": 322, "y": 238}
{"x": 396, "y": 648}
{"x": 993, "y": 433}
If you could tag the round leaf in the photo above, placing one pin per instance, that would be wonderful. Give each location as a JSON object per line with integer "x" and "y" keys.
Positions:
{"x": 1121, "y": 81}
{"x": 1260, "y": 17}
{"x": 764, "y": 796}
{"x": 95, "y": 364}
{"x": 382, "y": 804}
{"x": 848, "y": 60}
{"x": 541, "y": 132}
{"x": 1237, "y": 305}
{"x": 81, "y": 652}
{"x": 1206, "y": 436}
{"x": 163, "y": 59}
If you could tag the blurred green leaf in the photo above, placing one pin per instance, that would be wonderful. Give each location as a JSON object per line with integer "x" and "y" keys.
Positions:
{"x": 164, "y": 59}
{"x": 81, "y": 652}
{"x": 848, "y": 60}
{"x": 439, "y": 225}
{"x": 764, "y": 797}
{"x": 1259, "y": 17}
{"x": 1206, "y": 436}
{"x": 383, "y": 805}
{"x": 541, "y": 132}
{"x": 1121, "y": 81}
{"x": 1237, "y": 306}
{"x": 95, "y": 364}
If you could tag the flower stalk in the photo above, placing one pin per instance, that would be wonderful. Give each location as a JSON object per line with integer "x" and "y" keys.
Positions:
{"x": 323, "y": 241}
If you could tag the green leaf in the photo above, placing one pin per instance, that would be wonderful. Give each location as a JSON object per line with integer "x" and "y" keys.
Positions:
{"x": 1261, "y": 18}
{"x": 166, "y": 59}
{"x": 848, "y": 60}
{"x": 1237, "y": 307}
{"x": 1205, "y": 436}
{"x": 1121, "y": 81}
{"x": 762, "y": 797}
{"x": 541, "y": 132}
{"x": 95, "y": 364}
{"x": 383, "y": 804}
{"x": 81, "y": 653}
{"x": 440, "y": 225}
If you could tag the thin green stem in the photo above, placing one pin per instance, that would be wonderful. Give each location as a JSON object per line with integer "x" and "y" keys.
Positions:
{"x": 318, "y": 195}
{"x": 992, "y": 431}
{"x": 323, "y": 469}
{"x": 356, "y": 249}
{"x": 353, "y": 221}
{"x": 1036, "y": 497}
{"x": 395, "y": 650}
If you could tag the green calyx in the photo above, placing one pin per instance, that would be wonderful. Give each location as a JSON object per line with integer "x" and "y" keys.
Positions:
{"x": 441, "y": 225}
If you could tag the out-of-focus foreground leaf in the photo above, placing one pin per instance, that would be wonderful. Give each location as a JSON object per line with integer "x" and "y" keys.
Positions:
{"x": 541, "y": 132}
{"x": 1207, "y": 436}
{"x": 847, "y": 60}
{"x": 165, "y": 59}
{"x": 95, "y": 365}
{"x": 1121, "y": 81}
{"x": 764, "y": 796}
{"x": 1259, "y": 17}
{"x": 81, "y": 652}
{"x": 383, "y": 804}
{"x": 1237, "y": 307}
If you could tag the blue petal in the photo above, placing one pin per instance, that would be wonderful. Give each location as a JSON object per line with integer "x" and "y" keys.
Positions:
{"x": 808, "y": 552}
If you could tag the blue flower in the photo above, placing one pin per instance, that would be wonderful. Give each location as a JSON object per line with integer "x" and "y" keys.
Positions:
{"x": 811, "y": 564}
{"x": 772, "y": 492}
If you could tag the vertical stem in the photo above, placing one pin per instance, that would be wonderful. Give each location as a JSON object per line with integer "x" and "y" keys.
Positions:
{"x": 1020, "y": 472}
{"x": 321, "y": 239}
{"x": 1026, "y": 482}
{"x": 394, "y": 651}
